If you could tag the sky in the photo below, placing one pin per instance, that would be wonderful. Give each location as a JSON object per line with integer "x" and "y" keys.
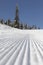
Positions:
{"x": 30, "y": 11}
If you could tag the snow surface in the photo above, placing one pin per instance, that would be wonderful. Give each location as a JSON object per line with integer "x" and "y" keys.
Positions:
{"x": 20, "y": 47}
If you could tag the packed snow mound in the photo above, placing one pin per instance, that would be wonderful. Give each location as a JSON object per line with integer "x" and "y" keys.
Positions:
{"x": 4, "y": 27}
{"x": 20, "y": 47}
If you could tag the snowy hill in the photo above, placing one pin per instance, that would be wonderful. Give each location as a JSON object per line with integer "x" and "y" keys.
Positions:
{"x": 20, "y": 47}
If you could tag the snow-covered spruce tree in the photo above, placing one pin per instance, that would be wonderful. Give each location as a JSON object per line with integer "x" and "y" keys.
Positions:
{"x": 16, "y": 22}
{"x": 21, "y": 26}
{"x": 34, "y": 27}
{"x": 8, "y": 22}
{"x": 25, "y": 26}
{"x": 1, "y": 21}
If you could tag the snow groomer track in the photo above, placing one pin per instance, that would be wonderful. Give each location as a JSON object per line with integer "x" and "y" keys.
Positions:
{"x": 20, "y": 47}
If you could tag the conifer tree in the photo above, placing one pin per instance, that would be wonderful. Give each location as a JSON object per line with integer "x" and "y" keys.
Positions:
{"x": 16, "y": 23}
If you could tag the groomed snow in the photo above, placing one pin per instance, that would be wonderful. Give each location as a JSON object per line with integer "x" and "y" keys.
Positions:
{"x": 20, "y": 47}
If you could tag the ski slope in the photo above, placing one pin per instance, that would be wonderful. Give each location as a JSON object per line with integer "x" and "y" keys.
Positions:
{"x": 20, "y": 47}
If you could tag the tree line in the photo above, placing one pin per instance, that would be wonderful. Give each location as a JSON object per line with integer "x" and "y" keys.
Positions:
{"x": 16, "y": 23}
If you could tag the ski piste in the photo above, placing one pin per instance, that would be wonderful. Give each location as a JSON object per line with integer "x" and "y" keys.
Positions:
{"x": 20, "y": 47}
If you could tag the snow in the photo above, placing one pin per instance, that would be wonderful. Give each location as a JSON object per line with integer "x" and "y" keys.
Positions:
{"x": 20, "y": 47}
